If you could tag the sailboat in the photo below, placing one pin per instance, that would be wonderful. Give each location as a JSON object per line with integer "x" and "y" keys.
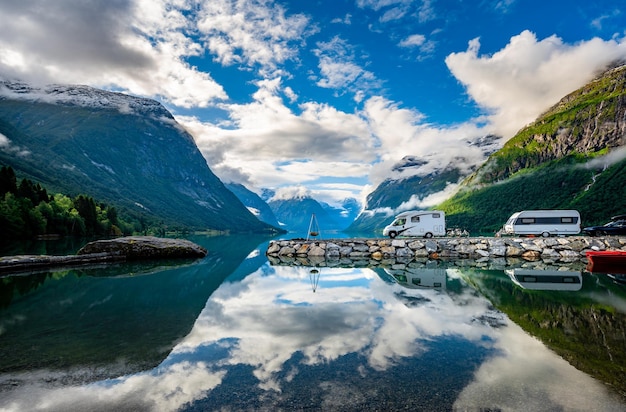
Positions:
{"x": 314, "y": 228}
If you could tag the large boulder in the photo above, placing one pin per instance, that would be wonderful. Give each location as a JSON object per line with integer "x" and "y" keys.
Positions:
{"x": 145, "y": 247}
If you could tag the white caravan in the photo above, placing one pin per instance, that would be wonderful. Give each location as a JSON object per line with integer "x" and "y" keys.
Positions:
{"x": 543, "y": 222}
{"x": 426, "y": 223}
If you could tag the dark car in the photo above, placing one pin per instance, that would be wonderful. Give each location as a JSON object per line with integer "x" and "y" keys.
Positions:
{"x": 617, "y": 226}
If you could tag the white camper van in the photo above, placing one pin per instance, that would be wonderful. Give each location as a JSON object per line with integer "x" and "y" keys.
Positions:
{"x": 543, "y": 222}
{"x": 426, "y": 223}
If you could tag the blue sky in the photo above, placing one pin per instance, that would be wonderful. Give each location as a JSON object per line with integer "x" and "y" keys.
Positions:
{"x": 323, "y": 97}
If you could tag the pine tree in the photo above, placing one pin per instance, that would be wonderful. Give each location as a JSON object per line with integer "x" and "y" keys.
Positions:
{"x": 8, "y": 182}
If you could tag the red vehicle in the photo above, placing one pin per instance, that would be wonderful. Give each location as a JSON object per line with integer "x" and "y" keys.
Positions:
{"x": 607, "y": 261}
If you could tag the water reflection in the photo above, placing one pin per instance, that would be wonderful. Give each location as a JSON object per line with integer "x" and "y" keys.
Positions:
{"x": 114, "y": 319}
{"x": 534, "y": 279}
{"x": 321, "y": 338}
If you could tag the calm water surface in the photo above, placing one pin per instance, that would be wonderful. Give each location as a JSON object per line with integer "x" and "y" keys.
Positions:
{"x": 235, "y": 332}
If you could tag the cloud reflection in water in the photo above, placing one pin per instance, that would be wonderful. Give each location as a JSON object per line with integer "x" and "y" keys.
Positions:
{"x": 275, "y": 324}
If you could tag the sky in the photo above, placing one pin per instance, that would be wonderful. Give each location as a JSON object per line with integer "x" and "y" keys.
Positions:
{"x": 323, "y": 97}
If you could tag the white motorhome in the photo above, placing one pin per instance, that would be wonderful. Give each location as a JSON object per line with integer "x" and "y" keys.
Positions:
{"x": 543, "y": 222}
{"x": 426, "y": 223}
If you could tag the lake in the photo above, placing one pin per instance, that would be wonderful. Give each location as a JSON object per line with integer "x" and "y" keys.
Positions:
{"x": 233, "y": 332}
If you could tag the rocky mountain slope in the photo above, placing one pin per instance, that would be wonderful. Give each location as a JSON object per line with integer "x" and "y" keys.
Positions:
{"x": 123, "y": 150}
{"x": 383, "y": 203}
{"x": 255, "y": 204}
{"x": 395, "y": 195}
{"x": 570, "y": 157}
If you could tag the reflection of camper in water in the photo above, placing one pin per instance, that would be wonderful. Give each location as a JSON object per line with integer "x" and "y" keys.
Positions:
{"x": 546, "y": 279}
{"x": 414, "y": 278}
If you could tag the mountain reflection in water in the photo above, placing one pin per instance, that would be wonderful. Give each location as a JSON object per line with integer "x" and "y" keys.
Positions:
{"x": 289, "y": 338}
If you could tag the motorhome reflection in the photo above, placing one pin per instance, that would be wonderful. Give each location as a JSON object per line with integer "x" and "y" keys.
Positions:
{"x": 426, "y": 223}
{"x": 419, "y": 278}
{"x": 546, "y": 279}
{"x": 543, "y": 222}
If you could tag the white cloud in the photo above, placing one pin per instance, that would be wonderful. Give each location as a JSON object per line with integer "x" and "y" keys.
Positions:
{"x": 339, "y": 69}
{"x": 7, "y": 146}
{"x": 403, "y": 131}
{"x": 414, "y": 40}
{"x": 347, "y": 20}
{"x": 519, "y": 82}
{"x": 138, "y": 46}
{"x": 415, "y": 202}
{"x": 602, "y": 162}
{"x": 291, "y": 192}
{"x": 252, "y": 32}
{"x": 598, "y": 22}
{"x": 271, "y": 145}
{"x": 419, "y": 42}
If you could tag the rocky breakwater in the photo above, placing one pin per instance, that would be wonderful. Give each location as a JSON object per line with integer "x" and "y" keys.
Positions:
{"x": 105, "y": 251}
{"x": 553, "y": 249}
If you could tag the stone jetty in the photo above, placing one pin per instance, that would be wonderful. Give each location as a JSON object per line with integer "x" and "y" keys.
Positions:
{"x": 552, "y": 249}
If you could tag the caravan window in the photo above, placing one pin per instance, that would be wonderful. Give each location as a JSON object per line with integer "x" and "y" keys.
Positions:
{"x": 566, "y": 220}
{"x": 436, "y": 215}
{"x": 415, "y": 219}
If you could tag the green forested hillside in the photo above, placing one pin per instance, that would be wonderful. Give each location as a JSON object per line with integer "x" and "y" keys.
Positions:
{"x": 559, "y": 185}
{"x": 567, "y": 159}
{"x": 28, "y": 211}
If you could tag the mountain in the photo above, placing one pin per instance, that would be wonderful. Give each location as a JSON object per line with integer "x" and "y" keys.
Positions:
{"x": 395, "y": 195}
{"x": 383, "y": 202}
{"x": 571, "y": 157}
{"x": 122, "y": 150}
{"x": 295, "y": 214}
{"x": 255, "y": 204}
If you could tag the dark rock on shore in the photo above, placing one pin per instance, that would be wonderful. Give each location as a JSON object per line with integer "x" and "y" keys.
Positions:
{"x": 105, "y": 251}
{"x": 145, "y": 247}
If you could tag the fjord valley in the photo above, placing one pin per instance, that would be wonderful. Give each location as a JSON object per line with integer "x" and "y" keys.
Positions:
{"x": 129, "y": 153}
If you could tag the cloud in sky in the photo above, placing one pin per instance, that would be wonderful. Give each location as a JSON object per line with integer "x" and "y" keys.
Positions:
{"x": 276, "y": 95}
{"x": 252, "y": 33}
{"x": 139, "y": 46}
{"x": 528, "y": 75}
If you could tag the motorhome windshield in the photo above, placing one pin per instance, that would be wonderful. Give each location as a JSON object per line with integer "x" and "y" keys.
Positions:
{"x": 399, "y": 222}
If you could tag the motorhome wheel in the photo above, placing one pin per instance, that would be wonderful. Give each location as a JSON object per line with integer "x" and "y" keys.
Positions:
{"x": 392, "y": 234}
{"x": 428, "y": 235}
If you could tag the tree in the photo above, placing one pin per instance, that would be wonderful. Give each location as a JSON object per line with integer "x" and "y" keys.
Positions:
{"x": 86, "y": 208}
{"x": 8, "y": 182}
